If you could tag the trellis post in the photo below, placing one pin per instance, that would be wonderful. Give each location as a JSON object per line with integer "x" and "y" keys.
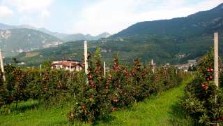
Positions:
{"x": 85, "y": 60}
{"x": 2, "y": 65}
{"x": 104, "y": 70}
{"x": 40, "y": 69}
{"x": 152, "y": 64}
{"x": 216, "y": 71}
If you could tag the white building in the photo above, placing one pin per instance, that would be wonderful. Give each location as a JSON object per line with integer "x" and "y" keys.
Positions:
{"x": 67, "y": 65}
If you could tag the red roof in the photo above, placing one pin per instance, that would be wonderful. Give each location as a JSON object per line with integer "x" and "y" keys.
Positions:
{"x": 66, "y": 63}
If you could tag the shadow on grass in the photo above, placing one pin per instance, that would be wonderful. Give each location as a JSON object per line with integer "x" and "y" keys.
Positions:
{"x": 179, "y": 117}
{"x": 20, "y": 107}
{"x": 105, "y": 120}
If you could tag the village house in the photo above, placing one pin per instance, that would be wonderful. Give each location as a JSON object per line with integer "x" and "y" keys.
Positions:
{"x": 186, "y": 66}
{"x": 70, "y": 65}
{"x": 192, "y": 62}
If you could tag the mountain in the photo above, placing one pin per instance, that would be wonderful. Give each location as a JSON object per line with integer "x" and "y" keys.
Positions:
{"x": 76, "y": 37}
{"x": 4, "y": 26}
{"x": 14, "y": 41}
{"x": 166, "y": 41}
{"x": 55, "y": 34}
{"x": 103, "y": 35}
{"x": 181, "y": 27}
{"x": 61, "y": 36}
{"x": 176, "y": 40}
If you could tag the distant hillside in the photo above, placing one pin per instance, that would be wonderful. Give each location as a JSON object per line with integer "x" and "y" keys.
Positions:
{"x": 14, "y": 41}
{"x": 23, "y": 38}
{"x": 76, "y": 37}
{"x": 69, "y": 50}
{"x": 175, "y": 40}
{"x": 195, "y": 24}
{"x": 166, "y": 41}
{"x": 62, "y": 36}
{"x": 4, "y": 26}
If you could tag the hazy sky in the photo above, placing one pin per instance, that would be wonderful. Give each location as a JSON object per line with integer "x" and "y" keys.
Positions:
{"x": 95, "y": 16}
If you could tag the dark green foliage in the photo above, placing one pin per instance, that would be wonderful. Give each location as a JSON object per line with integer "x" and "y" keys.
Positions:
{"x": 3, "y": 91}
{"x": 202, "y": 100}
{"x": 121, "y": 87}
{"x": 92, "y": 102}
{"x": 95, "y": 98}
{"x": 45, "y": 85}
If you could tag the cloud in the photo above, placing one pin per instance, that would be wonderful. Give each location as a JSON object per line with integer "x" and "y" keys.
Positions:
{"x": 115, "y": 15}
{"x": 106, "y": 15}
{"x": 207, "y": 4}
{"x": 5, "y": 12}
{"x": 30, "y": 5}
{"x": 96, "y": 16}
{"x": 30, "y": 12}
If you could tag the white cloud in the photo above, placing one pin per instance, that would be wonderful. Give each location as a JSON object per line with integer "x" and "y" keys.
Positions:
{"x": 97, "y": 16}
{"x": 115, "y": 15}
{"x": 207, "y": 4}
{"x": 30, "y": 5}
{"x": 30, "y": 12}
{"x": 107, "y": 15}
{"x": 5, "y": 12}
{"x": 44, "y": 14}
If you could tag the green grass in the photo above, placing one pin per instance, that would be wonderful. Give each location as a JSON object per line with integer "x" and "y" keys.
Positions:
{"x": 30, "y": 113}
{"x": 160, "y": 110}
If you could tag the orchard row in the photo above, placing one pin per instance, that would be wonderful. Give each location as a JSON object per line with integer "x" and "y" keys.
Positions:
{"x": 96, "y": 95}
{"x": 99, "y": 96}
{"x": 203, "y": 100}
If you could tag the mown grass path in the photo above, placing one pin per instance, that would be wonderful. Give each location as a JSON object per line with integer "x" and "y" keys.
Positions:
{"x": 160, "y": 110}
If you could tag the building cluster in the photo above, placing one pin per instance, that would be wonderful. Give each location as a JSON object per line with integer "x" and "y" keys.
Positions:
{"x": 185, "y": 67}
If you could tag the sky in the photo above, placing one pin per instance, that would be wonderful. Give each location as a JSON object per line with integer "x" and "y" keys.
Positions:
{"x": 95, "y": 16}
